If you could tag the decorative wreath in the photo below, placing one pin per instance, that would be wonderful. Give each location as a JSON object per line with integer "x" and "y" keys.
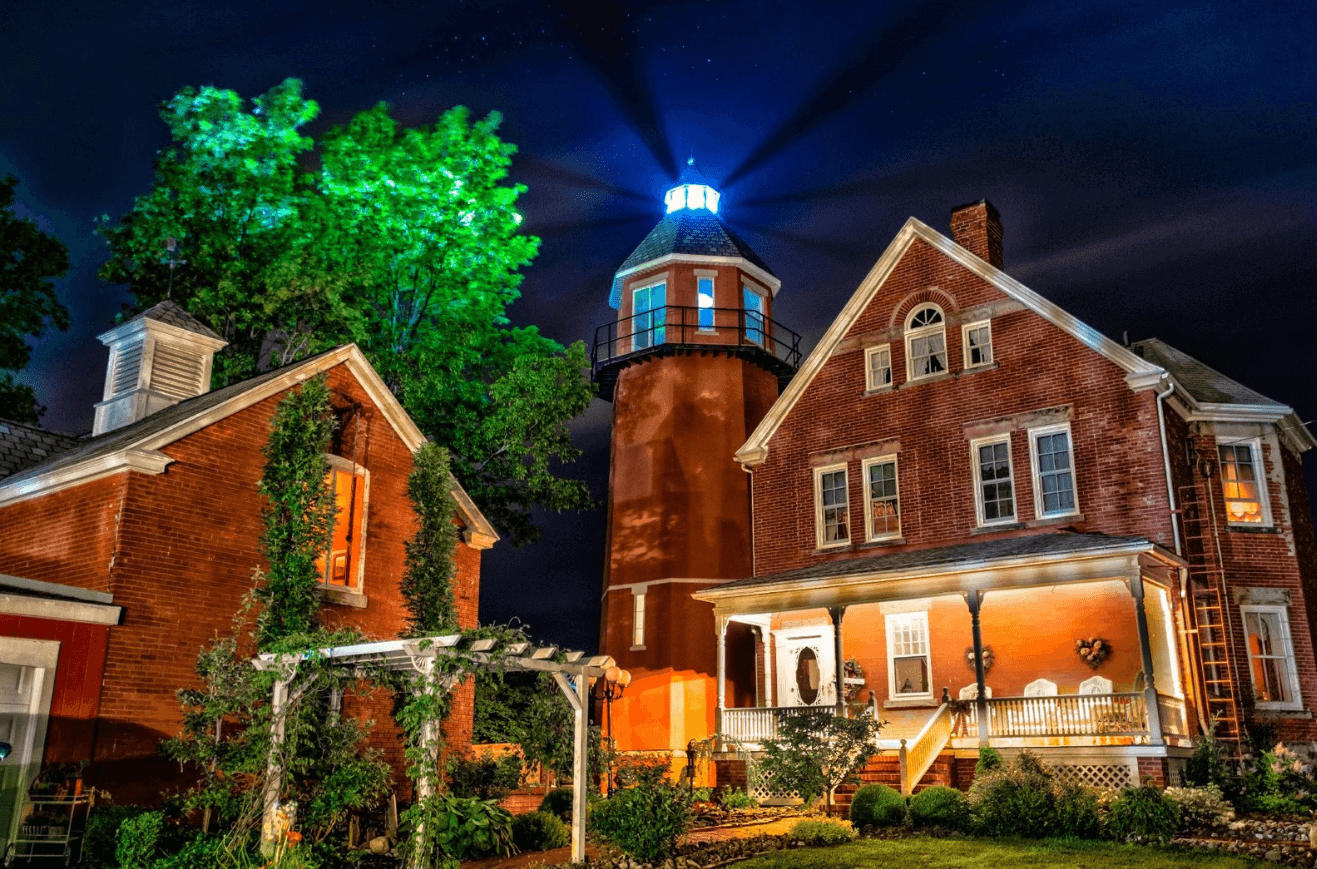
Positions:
{"x": 851, "y": 669}
{"x": 1093, "y": 651}
{"x": 987, "y": 658}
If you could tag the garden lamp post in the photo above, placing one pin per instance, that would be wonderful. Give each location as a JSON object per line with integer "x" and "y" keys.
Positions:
{"x": 614, "y": 683}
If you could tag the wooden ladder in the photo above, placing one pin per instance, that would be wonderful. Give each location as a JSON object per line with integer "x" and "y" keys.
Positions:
{"x": 1215, "y": 632}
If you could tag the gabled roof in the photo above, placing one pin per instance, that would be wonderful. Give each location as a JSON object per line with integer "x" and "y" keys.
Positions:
{"x": 22, "y": 446}
{"x": 171, "y": 314}
{"x": 1140, "y": 374}
{"x": 689, "y": 233}
{"x": 137, "y": 447}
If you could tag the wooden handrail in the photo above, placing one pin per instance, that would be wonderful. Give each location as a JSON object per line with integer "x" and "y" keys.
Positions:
{"x": 918, "y": 755}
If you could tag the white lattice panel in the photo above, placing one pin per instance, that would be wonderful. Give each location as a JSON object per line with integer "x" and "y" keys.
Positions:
{"x": 1103, "y": 776}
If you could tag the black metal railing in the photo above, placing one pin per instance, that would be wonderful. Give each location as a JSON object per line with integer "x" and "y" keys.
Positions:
{"x": 688, "y": 327}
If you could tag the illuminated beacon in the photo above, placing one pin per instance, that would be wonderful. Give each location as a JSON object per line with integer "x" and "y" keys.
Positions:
{"x": 692, "y": 363}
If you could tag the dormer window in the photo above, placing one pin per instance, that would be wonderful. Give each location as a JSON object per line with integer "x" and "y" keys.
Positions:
{"x": 925, "y": 343}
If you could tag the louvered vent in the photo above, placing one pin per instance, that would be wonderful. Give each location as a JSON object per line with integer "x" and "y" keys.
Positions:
{"x": 127, "y": 365}
{"x": 176, "y": 373}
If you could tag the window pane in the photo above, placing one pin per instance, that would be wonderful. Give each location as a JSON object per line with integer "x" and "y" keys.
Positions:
{"x": 1239, "y": 485}
{"x": 833, "y": 501}
{"x": 1056, "y": 483}
{"x": 706, "y": 303}
{"x": 995, "y": 491}
{"x": 884, "y": 506}
{"x": 911, "y": 675}
{"x": 1270, "y": 658}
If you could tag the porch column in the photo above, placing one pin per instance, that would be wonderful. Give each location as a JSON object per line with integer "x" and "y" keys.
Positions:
{"x": 721, "y": 622}
{"x": 837, "y": 613}
{"x": 1145, "y": 651}
{"x": 974, "y": 598}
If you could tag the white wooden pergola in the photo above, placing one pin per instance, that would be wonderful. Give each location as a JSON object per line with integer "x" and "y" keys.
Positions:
{"x": 572, "y": 671}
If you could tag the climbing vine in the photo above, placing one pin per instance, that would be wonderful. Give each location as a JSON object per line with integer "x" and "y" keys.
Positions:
{"x": 427, "y": 584}
{"x": 299, "y": 514}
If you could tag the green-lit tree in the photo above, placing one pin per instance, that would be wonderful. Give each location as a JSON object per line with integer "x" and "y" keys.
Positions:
{"x": 29, "y": 260}
{"x": 406, "y": 241}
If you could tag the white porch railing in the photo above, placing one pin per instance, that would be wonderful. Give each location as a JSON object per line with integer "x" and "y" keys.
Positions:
{"x": 918, "y": 754}
{"x": 1123, "y": 714}
{"x": 752, "y": 725}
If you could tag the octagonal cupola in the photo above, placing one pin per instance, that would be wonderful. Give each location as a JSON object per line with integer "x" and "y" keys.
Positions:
{"x": 157, "y": 359}
{"x": 693, "y": 191}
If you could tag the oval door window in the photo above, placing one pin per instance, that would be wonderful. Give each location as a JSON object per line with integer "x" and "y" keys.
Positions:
{"x": 807, "y": 676}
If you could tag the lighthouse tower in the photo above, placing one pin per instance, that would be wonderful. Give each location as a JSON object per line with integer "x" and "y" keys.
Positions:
{"x": 692, "y": 363}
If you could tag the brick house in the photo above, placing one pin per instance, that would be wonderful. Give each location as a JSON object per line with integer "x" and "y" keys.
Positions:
{"x": 967, "y": 494}
{"x": 123, "y": 553}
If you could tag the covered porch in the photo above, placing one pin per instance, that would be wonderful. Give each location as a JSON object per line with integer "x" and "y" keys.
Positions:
{"x": 1062, "y": 643}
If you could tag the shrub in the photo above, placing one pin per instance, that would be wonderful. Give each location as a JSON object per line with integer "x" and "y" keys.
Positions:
{"x": 1280, "y": 781}
{"x": 822, "y": 832}
{"x": 702, "y": 795}
{"x": 100, "y": 840}
{"x": 1210, "y": 765}
{"x": 737, "y": 799}
{"x": 643, "y": 821}
{"x": 1142, "y": 814}
{"x": 989, "y": 759}
{"x": 646, "y": 770}
{"x": 203, "y": 852}
{"x": 558, "y": 802}
{"x": 539, "y": 831}
{"x": 484, "y": 777}
{"x": 138, "y": 840}
{"x": 940, "y": 806}
{"x": 877, "y": 806}
{"x": 1200, "y": 807}
{"x": 1013, "y": 800}
{"x": 467, "y": 828}
{"x": 1074, "y": 811}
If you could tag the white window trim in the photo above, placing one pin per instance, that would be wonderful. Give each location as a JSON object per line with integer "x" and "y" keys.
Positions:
{"x": 869, "y": 353}
{"x": 1291, "y": 667}
{"x": 869, "y": 533}
{"x": 964, "y": 343}
{"x": 653, "y": 342}
{"x": 889, "y": 622}
{"x": 639, "y": 609}
{"x": 1036, "y": 475}
{"x": 762, "y": 314}
{"x": 1259, "y": 477}
{"x": 818, "y": 507}
{"x": 347, "y": 465}
{"x": 713, "y": 304}
{"x": 978, "y": 480}
{"x": 911, "y": 334}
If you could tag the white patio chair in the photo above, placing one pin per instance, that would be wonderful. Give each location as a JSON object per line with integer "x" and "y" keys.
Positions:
{"x": 1035, "y": 715}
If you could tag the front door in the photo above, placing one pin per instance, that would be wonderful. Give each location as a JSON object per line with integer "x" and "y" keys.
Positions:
{"x": 806, "y": 667}
{"x": 27, "y": 671}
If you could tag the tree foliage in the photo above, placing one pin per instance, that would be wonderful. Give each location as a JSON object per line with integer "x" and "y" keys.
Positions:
{"x": 406, "y": 241}
{"x": 29, "y": 261}
{"x": 816, "y": 751}
{"x": 427, "y": 584}
{"x": 299, "y": 514}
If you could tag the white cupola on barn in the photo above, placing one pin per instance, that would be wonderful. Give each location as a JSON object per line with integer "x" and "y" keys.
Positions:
{"x": 157, "y": 359}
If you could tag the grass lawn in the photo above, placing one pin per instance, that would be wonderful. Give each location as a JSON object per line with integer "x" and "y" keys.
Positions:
{"x": 989, "y": 854}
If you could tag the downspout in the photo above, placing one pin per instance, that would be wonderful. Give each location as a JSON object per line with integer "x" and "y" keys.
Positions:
{"x": 1195, "y": 672}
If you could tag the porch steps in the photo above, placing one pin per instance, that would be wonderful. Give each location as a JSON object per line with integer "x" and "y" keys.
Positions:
{"x": 885, "y": 769}
{"x": 1214, "y": 630}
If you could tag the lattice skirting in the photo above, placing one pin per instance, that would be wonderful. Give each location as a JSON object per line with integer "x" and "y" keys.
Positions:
{"x": 1103, "y": 776}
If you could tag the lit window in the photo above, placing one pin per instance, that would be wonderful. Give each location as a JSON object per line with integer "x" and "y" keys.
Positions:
{"x": 833, "y": 514}
{"x": 1053, "y": 471}
{"x": 908, "y": 656}
{"x": 649, "y": 314}
{"x": 925, "y": 343}
{"x": 338, "y": 566}
{"x": 1271, "y": 657}
{"x": 884, "y": 514}
{"x": 705, "y": 298}
{"x": 978, "y": 344}
{"x": 1241, "y": 482}
{"x": 994, "y": 488}
{"x": 754, "y": 316}
{"x": 878, "y": 367}
{"x": 637, "y": 618}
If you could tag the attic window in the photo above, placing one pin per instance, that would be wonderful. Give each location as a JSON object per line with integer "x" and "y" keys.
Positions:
{"x": 925, "y": 343}
{"x": 1242, "y": 483}
{"x": 340, "y": 566}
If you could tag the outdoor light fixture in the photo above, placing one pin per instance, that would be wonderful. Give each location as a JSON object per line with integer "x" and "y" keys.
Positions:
{"x": 614, "y": 683}
{"x": 5, "y": 748}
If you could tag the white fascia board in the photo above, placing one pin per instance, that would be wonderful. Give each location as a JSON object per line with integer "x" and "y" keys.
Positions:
{"x": 773, "y": 283}
{"x": 59, "y": 610}
{"x": 130, "y": 459}
{"x": 1139, "y": 373}
{"x": 164, "y": 329}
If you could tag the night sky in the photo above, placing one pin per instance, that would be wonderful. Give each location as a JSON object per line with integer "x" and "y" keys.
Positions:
{"x": 1153, "y": 162}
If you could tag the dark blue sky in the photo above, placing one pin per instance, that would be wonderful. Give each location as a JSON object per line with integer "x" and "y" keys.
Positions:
{"x": 1155, "y": 163}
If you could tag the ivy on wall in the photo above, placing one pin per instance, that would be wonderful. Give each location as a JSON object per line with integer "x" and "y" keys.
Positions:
{"x": 427, "y": 584}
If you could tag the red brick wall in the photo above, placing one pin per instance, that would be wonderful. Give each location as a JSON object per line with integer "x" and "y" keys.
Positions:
{"x": 188, "y": 543}
{"x": 1116, "y": 446}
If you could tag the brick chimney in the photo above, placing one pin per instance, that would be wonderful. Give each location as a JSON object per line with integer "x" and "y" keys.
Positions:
{"x": 977, "y": 228}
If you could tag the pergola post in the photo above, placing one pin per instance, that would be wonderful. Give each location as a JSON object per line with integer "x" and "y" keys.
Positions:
{"x": 1145, "y": 652}
{"x": 974, "y": 597}
{"x": 280, "y": 696}
{"x": 577, "y": 696}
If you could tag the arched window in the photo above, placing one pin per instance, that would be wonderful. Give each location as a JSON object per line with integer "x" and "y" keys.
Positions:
{"x": 925, "y": 343}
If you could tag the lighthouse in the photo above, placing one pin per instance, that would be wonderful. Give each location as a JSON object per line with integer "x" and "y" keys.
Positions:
{"x": 692, "y": 362}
